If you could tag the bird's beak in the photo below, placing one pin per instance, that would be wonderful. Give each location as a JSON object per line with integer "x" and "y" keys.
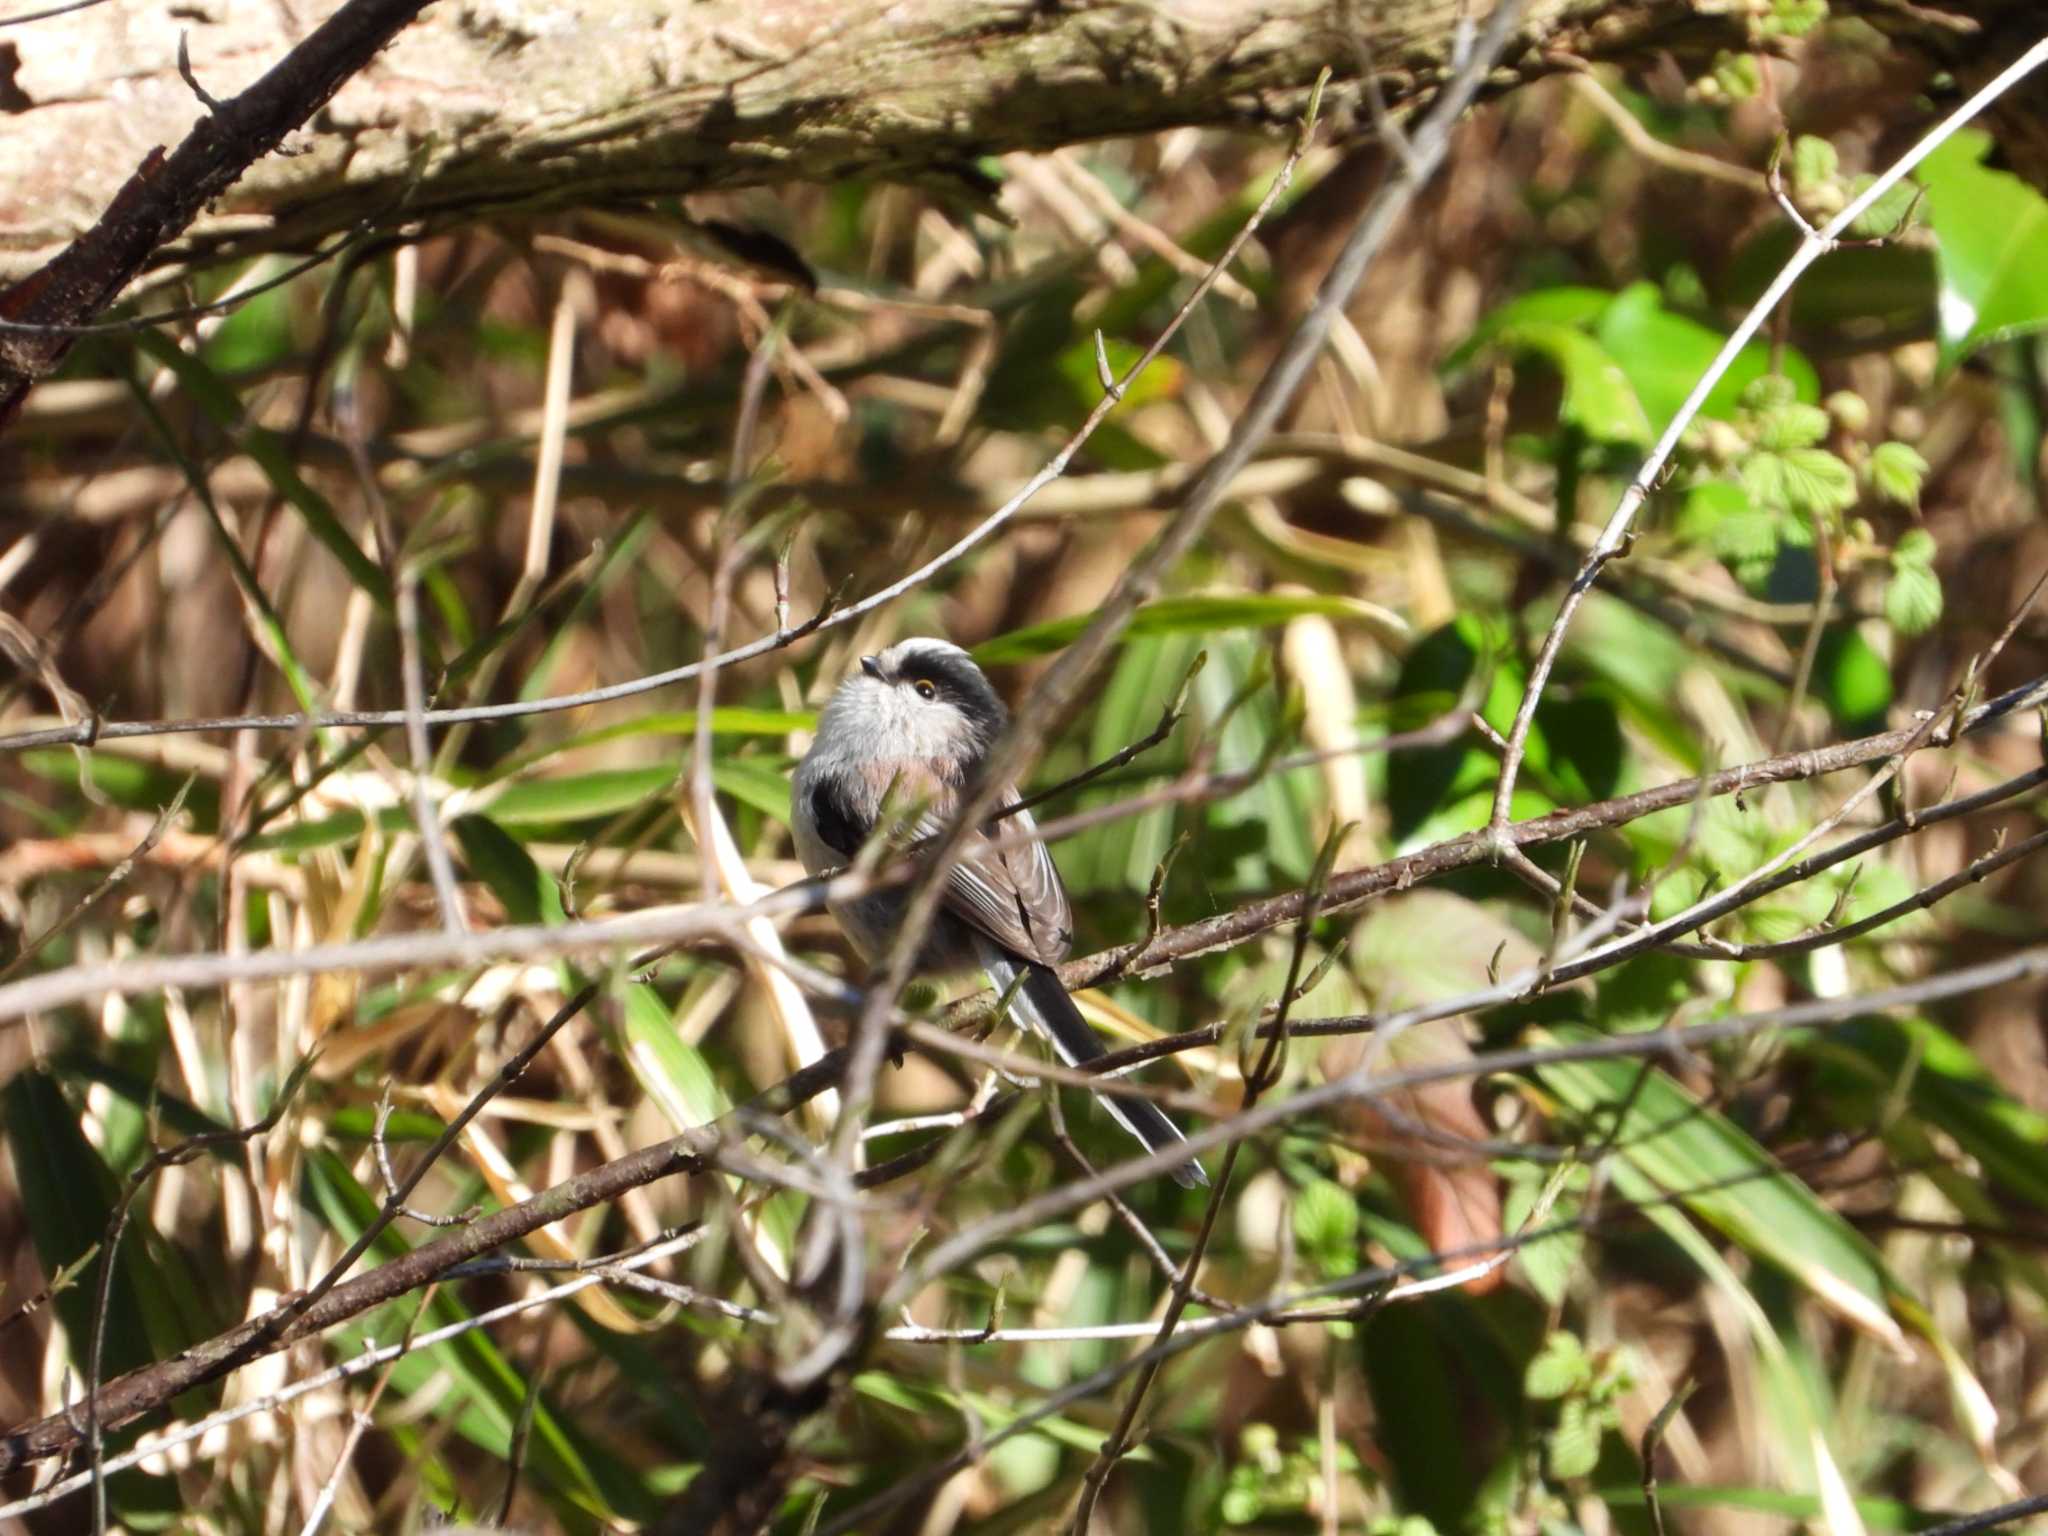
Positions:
{"x": 872, "y": 667}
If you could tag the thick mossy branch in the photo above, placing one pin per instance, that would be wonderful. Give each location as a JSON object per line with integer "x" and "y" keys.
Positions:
{"x": 490, "y": 107}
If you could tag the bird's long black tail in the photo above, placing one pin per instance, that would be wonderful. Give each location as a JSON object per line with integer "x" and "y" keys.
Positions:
{"x": 1042, "y": 1002}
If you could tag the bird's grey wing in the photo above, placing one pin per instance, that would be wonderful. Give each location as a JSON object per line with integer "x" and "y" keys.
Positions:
{"x": 1014, "y": 894}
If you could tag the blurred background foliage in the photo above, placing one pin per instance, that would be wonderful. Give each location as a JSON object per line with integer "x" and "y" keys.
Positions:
{"x": 1827, "y": 1243}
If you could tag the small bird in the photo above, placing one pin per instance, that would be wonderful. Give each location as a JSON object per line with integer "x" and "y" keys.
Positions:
{"x": 914, "y": 726}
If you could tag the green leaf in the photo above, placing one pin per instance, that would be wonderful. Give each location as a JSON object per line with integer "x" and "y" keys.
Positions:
{"x": 1818, "y": 481}
{"x": 1575, "y": 307}
{"x": 494, "y": 857}
{"x": 578, "y": 796}
{"x": 1794, "y": 18}
{"x": 1912, "y": 599}
{"x": 1989, "y": 231}
{"x": 1546, "y": 1263}
{"x": 1572, "y": 1447}
{"x": 1953, "y": 1090}
{"x": 759, "y": 782}
{"x": 1326, "y": 1225}
{"x": 1916, "y": 546}
{"x": 1666, "y": 354}
{"x": 1426, "y": 783}
{"x": 1194, "y": 615}
{"x": 1814, "y": 162}
{"x": 1895, "y": 211}
{"x": 673, "y": 1071}
{"x": 1852, "y": 678}
{"x": 1121, "y": 855}
{"x": 1746, "y": 535}
{"x": 257, "y": 333}
{"x": 1897, "y": 471}
{"x": 1708, "y": 1164}
{"x": 1558, "y": 1368}
{"x": 1598, "y": 398}
{"x": 68, "y": 1195}
{"x": 1893, "y": 284}
{"x": 1412, "y": 1371}
{"x": 1792, "y": 425}
{"x": 1739, "y": 75}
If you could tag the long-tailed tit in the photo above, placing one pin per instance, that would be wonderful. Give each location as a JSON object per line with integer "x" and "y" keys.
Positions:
{"x": 913, "y": 727}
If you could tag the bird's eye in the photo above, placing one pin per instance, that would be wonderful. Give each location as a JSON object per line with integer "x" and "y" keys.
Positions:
{"x": 926, "y": 689}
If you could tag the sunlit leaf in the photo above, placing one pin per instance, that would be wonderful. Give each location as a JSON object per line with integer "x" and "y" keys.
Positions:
{"x": 1665, "y": 355}
{"x": 1989, "y": 231}
{"x": 1599, "y": 398}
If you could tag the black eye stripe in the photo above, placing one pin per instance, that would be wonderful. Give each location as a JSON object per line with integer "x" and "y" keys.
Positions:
{"x": 958, "y": 682}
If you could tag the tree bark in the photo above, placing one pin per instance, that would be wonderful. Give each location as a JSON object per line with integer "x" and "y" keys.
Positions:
{"x": 497, "y": 107}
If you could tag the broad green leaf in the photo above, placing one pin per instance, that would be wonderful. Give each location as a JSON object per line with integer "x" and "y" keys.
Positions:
{"x": 127, "y": 781}
{"x": 759, "y": 782}
{"x": 578, "y": 796}
{"x": 1412, "y": 1372}
{"x": 1272, "y": 824}
{"x": 1916, "y": 546}
{"x": 1912, "y": 599}
{"x": 1548, "y": 1263}
{"x": 1559, "y": 1367}
{"x": 1434, "y": 676}
{"x": 1121, "y": 855}
{"x": 1989, "y": 231}
{"x": 1792, "y": 425}
{"x": 1326, "y": 1225}
{"x": 1665, "y": 355}
{"x": 1893, "y": 284}
{"x": 1197, "y": 615}
{"x": 1599, "y": 398}
{"x": 1814, "y": 162}
{"x": 1576, "y": 307}
{"x": 1897, "y": 471}
{"x": 1572, "y": 1448}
